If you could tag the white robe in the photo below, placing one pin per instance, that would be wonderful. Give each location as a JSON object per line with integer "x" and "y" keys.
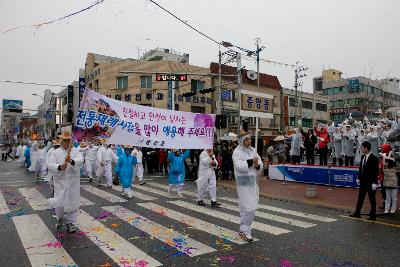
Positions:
{"x": 34, "y": 157}
{"x": 246, "y": 178}
{"x": 67, "y": 182}
{"x": 50, "y": 173}
{"x": 206, "y": 172}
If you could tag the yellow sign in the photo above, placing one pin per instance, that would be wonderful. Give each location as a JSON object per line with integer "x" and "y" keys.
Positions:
{"x": 257, "y": 103}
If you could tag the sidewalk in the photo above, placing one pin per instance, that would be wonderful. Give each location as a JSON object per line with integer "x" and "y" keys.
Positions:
{"x": 339, "y": 198}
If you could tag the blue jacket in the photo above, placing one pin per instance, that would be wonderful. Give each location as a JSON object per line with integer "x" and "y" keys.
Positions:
{"x": 120, "y": 151}
{"x": 177, "y": 167}
{"x": 124, "y": 169}
{"x": 27, "y": 155}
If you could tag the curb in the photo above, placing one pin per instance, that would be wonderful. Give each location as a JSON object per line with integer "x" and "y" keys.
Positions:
{"x": 298, "y": 201}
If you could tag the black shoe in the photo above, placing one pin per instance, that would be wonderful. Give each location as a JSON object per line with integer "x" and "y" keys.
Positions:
{"x": 355, "y": 215}
{"x": 370, "y": 218}
{"x": 247, "y": 238}
{"x": 71, "y": 228}
{"x": 215, "y": 204}
{"x": 201, "y": 203}
{"x": 59, "y": 225}
{"x": 90, "y": 180}
{"x": 142, "y": 183}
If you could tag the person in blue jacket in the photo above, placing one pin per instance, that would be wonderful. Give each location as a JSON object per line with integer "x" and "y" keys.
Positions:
{"x": 27, "y": 155}
{"x": 177, "y": 171}
{"x": 119, "y": 151}
{"x": 125, "y": 170}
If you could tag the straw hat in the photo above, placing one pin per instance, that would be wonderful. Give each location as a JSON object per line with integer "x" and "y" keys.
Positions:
{"x": 103, "y": 140}
{"x": 83, "y": 144}
{"x": 243, "y": 132}
{"x": 65, "y": 136}
{"x": 56, "y": 142}
{"x": 128, "y": 146}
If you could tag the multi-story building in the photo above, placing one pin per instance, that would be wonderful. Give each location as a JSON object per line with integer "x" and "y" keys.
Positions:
{"x": 10, "y": 116}
{"x": 165, "y": 54}
{"x": 268, "y": 84}
{"x": 312, "y": 108}
{"x": 134, "y": 81}
{"x": 359, "y": 96}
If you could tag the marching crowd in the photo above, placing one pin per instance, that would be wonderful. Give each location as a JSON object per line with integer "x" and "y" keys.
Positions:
{"x": 63, "y": 162}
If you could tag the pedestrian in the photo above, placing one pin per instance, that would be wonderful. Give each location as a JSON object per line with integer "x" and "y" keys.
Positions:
{"x": 227, "y": 162}
{"x": 27, "y": 156}
{"x": 137, "y": 152}
{"x": 33, "y": 156}
{"x": 125, "y": 170}
{"x": 100, "y": 162}
{"x": 247, "y": 165}
{"x": 373, "y": 138}
{"x": 107, "y": 158}
{"x": 281, "y": 151}
{"x": 50, "y": 174}
{"x": 177, "y": 170}
{"x": 90, "y": 160}
{"x": 390, "y": 183}
{"x": 9, "y": 151}
{"x": 41, "y": 162}
{"x": 323, "y": 140}
{"x": 149, "y": 158}
{"x": 207, "y": 178}
{"x": 310, "y": 141}
{"x": 361, "y": 138}
{"x": 3, "y": 152}
{"x": 337, "y": 146}
{"x": 65, "y": 163}
{"x": 295, "y": 145}
{"x": 349, "y": 139}
{"x": 367, "y": 179}
{"x": 163, "y": 161}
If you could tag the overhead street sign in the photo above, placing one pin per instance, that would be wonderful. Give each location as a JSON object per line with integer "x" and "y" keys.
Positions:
{"x": 171, "y": 77}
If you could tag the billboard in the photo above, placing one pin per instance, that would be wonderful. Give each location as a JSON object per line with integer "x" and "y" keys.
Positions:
{"x": 10, "y": 105}
{"x": 353, "y": 85}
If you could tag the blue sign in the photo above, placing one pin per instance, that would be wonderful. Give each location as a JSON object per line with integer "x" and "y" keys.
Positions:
{"x": 226, "y": 94}
{"x": 82, "y": 85}
{"x": 353, "y": 85}
{"x": 12, "y": 104}
{"x": 48, "y": 116}
{"x": 170, "y": 107}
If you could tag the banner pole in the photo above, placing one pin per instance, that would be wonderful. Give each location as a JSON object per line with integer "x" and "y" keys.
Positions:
{"x": 329, "y": 173}
{"x": 284, "y": 176}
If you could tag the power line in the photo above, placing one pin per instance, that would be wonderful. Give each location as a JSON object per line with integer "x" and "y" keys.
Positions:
{"x": 33, "y": 83}
{"x": 184, "y": 22}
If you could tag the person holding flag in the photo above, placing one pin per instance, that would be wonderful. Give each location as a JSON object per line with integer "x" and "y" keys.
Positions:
{"x": 65, "y": 164}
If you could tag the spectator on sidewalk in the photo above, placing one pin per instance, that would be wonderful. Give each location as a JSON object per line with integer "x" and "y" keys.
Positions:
{"x": 162, "y": 159}
{"x": 281, "y": 151}
{"x": 367, "y": 178}
{"x": 337, "y": 147}
{"x": 310, "y": 141}
{"x": 390, "y": 183}
{"x": 296, "y": 144}
{"x": 323, "y": 140}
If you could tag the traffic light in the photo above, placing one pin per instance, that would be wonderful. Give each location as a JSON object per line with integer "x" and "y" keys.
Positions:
{"x": 189, "y": 94}
{"x": 220, "y": 121}
{"x": 207, "y": 90}
{"x": 245, "y": 125}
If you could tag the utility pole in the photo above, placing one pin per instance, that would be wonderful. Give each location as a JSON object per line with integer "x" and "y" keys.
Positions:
{"x": 219, "y": 98}
{"x": 239, "y": 83}
{"x": 258, "y": 50}
{"x": 299, "y": 72}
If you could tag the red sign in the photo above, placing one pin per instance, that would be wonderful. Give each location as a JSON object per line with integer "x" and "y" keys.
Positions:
{"x": 171, "y": 77}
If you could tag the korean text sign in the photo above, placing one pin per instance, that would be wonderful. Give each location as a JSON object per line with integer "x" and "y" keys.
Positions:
{"x": 257, "y": 103}
{"x": 102, "y": 119}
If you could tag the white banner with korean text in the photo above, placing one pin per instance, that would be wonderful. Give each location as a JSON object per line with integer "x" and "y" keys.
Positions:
{"x": 102, "y": 119}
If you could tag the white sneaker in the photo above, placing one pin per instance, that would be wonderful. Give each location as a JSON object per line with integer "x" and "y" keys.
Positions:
{"x": 386, "y": 212}
{"x": 129, "y": 193}
{"x": 180, "y": 195}
{"x": 246, "y": 237}
{"x": 393, "y": 211}
{"x": 123, "y": 192}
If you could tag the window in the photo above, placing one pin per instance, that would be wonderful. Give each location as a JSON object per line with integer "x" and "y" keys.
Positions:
{"x": 195, "y": 109}
{"x": 122, "y": 82}
{"x": 231, "y": 119}
{"x": 176, "y": 107}
{"x": 196, "y": 85}
{"x": 332, "y": 104}
{"x": 117, "y": 97}
{"x": 306, "y": 104}
{"x": 292, "y": 102}
{"x": 321, "y": 107}
{"x": 146, "y": 82}
{"x": 307, "y": 123}
{"x": 351, "y": 102}
{"x": 128, "y": 97}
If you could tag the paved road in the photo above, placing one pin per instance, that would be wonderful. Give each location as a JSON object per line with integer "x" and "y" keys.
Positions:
{"x": 153, "y": 229}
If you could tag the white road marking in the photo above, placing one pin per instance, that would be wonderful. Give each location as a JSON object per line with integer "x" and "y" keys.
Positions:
{"x": 3, "y": 205}
{"x": 289, "y": 212}
{"x": 41, "y": 246}
{"x": 103, "y": 194}
{"x": 155, "y": 191}
{"x": 182, "y": 243}
{"x": 136, "y": 194}
{"x": 195, "y": 223}
{"x": 166, "y": 187}
{"x": 112, "y": 244}
{"x": 230, "y": 218}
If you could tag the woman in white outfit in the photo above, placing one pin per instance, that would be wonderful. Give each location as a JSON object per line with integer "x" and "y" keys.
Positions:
{"x": 137, "y": 152}
{"x": 206, "y": 178}
{"x": 247, "y": 166}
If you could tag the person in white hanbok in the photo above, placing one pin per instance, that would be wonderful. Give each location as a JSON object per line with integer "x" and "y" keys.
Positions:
{"x": 373, "y": 138}
{"x": 207, "y": 178}
{"x": 361, "y": 138}
{"x": 100, "y": 164}
{"x": 90, "y": 160}
{"x": 50, "y": 174}
{"x": 66, "y": 170}
{"x": 106, "y": 157}
{"x": 247, "y": 166}
{"x": 41, "y": 161}
{"x": 33, "y": 156}
{"x": 337, "y": 146}
{"x": 137, "y": 152}
{"x": 348, "y": 149}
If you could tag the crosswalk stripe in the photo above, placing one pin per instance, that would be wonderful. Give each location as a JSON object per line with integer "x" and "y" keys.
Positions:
{"x": 35, "y": 199}
{"x": 38, "y": 202}
{"x": 3, "y": 204}
{"x": 195, "y": 223}
{"x": 103, "y": 194}
{"x": 289, "y": 212}
{"x": 41, "y": 246}
{"x": 274, "y": 217}
{"x": 136, "y": 194}
{"x": 182, "y": 243}
{"x": 166, "y": 187}
{"x": 155, "y": 191}
{"x": 112, "y": 244}
{"x": 230, "y": 218}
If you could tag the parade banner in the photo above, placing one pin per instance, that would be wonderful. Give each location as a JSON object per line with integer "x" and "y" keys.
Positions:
{"x": 335, "y": 176}
{"x": 102, "y": 119}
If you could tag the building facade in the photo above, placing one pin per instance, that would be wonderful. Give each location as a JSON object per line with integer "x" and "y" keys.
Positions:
{"x": 312, "y": 109}
{"x": 134, "y": 81}
{"x": 10, "y": 117}
{"x": 359, "y": 96}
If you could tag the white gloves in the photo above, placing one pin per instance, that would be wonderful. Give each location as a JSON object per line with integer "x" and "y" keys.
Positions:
{"x": 373, "y": 187}
{"x": 358, "y": 181}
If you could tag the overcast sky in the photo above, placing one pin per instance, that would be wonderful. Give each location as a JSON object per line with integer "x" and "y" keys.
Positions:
{"x": 358, "y": 37}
